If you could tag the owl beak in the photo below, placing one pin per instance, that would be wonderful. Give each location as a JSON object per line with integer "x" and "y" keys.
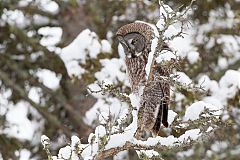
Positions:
{"x": 125, "y": 46}
{"x": 122, "y": 41}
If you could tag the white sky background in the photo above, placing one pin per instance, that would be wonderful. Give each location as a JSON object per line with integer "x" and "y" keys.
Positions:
{"x": 113, "y": 71}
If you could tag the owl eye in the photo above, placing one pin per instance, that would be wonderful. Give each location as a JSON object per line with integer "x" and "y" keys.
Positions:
{"x": 134, "y": 41}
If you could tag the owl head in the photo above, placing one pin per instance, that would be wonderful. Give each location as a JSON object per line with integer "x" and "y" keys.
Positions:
{"x": 135, "y": 38}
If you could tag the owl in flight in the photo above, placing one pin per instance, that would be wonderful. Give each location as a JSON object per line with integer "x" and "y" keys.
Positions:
{"x": 136, "y": 39}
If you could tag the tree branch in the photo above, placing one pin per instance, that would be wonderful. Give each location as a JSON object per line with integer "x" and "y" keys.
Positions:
{"x": 129, "y": 145}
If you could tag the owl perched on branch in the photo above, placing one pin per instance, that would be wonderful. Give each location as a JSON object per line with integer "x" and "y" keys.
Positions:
{"x": 136, "y": 39}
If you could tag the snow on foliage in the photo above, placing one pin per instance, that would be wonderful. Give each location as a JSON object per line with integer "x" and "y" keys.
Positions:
{"x": 227, "y": 87}
{"x": 182, "y": 44}
{"x": 86, "y": 45}
{"x": 18, "y": 124}
{"x": 165, "y": 12}
{"x": 103, "y": 106}
{"x": 193, "y": 112}
{"x": 51, "y": 35}
{"x": 193, "y": 57}
{"x": 165, "y": 55}
{"x": 35, "y": 94}
{"x": 182, "y": 78}
{"x": 171, "y": 116}
{"x": 21, "y": 127}
{"x": 48, "y": 5}
{"x": 221, "y": 19}
{"x": 112, "y": 72}
{"x": 148, "y": 153}
{"x": 14, "y": 17}
{"x": 48, "y": 78}
{"x": 45, "y": 140}
{"x": 65, "y": 152}
{"x": 23, "y": 154}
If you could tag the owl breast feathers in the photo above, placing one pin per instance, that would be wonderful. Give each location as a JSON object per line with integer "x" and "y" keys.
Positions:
{"x": 136, "y": 39}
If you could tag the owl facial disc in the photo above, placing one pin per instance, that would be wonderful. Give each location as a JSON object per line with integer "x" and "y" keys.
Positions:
{"x": 128, "y": 49}
{"x": 133, "y": 44}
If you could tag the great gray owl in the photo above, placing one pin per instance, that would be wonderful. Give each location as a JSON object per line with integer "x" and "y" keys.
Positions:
{"x": 136, "y": 39}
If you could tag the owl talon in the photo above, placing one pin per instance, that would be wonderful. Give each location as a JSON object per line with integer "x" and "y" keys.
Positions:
{"x": 140, "y": 135}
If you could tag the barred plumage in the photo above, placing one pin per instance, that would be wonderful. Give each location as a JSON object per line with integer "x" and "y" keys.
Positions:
{"x": 136, "y": 39}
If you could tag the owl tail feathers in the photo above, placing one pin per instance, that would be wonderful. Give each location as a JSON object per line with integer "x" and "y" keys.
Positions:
{"x": 165, "y": 114}
{"x": 161, "y": 118}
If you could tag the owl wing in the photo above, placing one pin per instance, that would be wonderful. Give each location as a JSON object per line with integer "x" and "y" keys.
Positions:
{"x": 149, "y": 106}
{"x": 154, "y": 103}
{"x": 162, "y": 116}
{"x": 154, "y": 108}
